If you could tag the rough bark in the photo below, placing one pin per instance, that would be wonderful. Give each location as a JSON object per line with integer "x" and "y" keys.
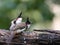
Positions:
{"x": 34, "y": 38}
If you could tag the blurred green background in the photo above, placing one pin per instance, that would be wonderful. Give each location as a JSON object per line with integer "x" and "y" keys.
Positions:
{"x": 37, "y": 10}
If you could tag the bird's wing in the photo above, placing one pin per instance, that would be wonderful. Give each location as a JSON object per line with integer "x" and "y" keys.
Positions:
{"x": 20, "y": 26}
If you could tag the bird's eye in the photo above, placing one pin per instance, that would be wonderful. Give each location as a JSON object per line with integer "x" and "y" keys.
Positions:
{"x": 14, "y": 22}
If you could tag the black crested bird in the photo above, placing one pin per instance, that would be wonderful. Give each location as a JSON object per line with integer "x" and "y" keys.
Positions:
{"x": 16, "y": 21}
{"x": 28, "y": 23}
{"x": 22, "y": 26}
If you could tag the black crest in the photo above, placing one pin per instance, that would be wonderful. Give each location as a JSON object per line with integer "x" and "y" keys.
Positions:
{"x": 19, "y": 15}
{"x": 28, "y": 21}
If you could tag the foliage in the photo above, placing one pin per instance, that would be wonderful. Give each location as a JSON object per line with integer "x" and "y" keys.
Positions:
{"x": 36, "y": 10}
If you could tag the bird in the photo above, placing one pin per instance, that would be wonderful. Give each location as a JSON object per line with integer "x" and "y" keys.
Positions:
{"x": 28, "y": 23}
{"x": 16, "y": 21}
{"x": 23, "y": 26}
{"x": 18, "y": 28}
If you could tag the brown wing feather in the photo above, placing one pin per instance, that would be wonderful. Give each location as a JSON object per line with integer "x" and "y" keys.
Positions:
{"x": 20, "y": 26}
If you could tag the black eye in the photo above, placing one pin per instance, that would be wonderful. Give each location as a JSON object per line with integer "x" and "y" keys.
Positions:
{"x": 14, "y": 22}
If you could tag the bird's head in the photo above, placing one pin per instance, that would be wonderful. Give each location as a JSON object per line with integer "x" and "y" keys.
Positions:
{"x": 28, "y": 23}
{"x": 19, "y": 18}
